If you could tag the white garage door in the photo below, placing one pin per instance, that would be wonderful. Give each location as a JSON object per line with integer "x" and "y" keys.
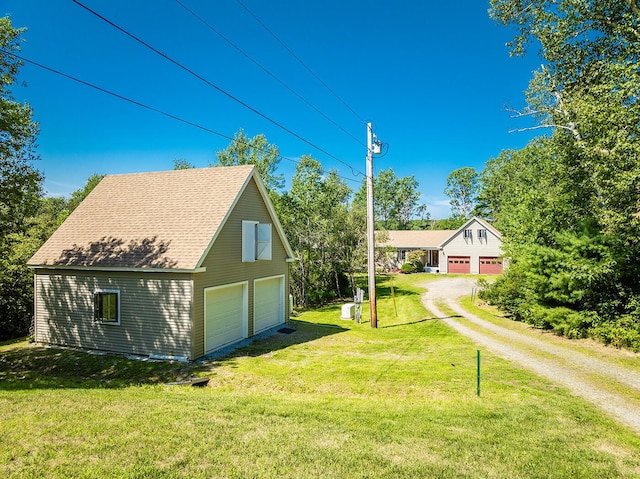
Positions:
{"x": 268, "y": 309}
{"x": 225, "y": 311}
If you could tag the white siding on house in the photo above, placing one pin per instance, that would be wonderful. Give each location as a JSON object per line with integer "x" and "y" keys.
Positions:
{"x": 474, "y": 247}
{"x": 155, "y": 312}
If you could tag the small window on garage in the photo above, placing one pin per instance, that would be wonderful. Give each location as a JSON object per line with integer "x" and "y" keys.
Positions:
{"x": 256, "y": 241}
{"x": 106, "y": 306}
{"x": 482, "y": 234}
{"x": 468, "y": 233}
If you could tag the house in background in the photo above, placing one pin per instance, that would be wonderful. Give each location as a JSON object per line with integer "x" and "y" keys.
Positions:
{"x": 475, "y": 247}
{"x": 178, "y": 263}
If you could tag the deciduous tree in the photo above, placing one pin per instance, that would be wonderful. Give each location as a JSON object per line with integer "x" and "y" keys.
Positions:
{"x": 568, "y": 203}
{"x": 20, "y": 189}
{"x": 396, "y": 200}
{"x": 462, "y": 190}
{"x": 254, "y": 151}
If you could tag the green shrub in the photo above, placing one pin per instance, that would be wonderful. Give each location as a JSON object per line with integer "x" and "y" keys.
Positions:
{"x": 408, "y": 268}
{"x": 509, "y": 293}
{"x": 623, "y": 333}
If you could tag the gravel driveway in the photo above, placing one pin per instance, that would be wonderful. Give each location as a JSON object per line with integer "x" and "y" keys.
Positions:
{"x": 572, "y": 369}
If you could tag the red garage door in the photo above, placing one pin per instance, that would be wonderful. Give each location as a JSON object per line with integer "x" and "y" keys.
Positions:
{"x": 459, "y": 264}
{"x": 490, "y": 265}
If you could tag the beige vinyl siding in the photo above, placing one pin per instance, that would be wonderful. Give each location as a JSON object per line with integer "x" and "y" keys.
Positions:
{"x": 473, "y": 247}
{"x": 155, "y": 311}
{"x": 224, "y": 262}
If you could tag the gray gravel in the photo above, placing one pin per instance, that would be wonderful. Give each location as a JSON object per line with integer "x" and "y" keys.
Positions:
{"x": 559, "y": 364}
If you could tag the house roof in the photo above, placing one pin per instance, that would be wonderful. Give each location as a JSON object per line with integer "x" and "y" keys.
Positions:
{"x": 162, "y": 220}
{"x": 416, "y": 238}
{"x": 421, "y": 239}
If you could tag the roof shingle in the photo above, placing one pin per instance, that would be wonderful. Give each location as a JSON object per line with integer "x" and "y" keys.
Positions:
{"x": 415, "y": 238}
{"x": 147, "y": 220}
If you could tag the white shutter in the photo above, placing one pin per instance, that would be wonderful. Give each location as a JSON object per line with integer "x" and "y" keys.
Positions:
{"x": 249, "y": 241}
{"x": 264, "y": 241}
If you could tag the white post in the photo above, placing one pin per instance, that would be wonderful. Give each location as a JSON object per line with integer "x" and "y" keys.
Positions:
{"x": 371, "y": 263}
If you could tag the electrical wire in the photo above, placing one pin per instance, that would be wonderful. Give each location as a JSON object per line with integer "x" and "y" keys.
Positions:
{"x": 142, "y": 105}
{"x": 216, "y": 87}
{"x": 264, "y": 69}
{"x": 300, "y": 60}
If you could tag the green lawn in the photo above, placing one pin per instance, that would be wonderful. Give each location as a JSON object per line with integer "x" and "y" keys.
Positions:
{"x": 334, "y": 399}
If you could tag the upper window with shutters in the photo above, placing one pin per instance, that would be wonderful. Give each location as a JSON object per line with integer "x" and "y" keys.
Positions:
{"x": 256, "y": 241}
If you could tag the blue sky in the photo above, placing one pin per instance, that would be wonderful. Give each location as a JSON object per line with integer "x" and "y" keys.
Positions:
{"x": 433, "y": 77}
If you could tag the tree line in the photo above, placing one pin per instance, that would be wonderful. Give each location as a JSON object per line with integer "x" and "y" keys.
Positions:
{"x": 568, "y": 204}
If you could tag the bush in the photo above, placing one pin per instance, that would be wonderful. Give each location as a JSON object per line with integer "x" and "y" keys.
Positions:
{"x": 408, "y": 268}
{"x": 624, "y": 333}
{"x": 509, "y": 293}
{"x": 414, "y": 259}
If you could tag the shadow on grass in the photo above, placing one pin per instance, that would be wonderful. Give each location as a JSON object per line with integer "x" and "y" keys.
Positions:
{"x": 29, "y": 366}
{"x": 304, "y": 332}
{"x": 25, "y": 366}
{"x": 419, "y": 321}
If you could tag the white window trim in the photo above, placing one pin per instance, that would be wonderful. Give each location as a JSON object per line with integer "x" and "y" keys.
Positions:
{"x": 264, "y": 244}
{"x": 100, "y": 320}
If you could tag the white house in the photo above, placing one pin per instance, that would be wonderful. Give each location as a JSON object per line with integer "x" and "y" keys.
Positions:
{"x": 475, "y": 247}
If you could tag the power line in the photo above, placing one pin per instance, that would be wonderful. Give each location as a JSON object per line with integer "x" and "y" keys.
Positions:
{"x": 264, "y": 69}
{"x": 142, "y": 105}
{"x": 300, "y": 61}
{"x": 216, "y": 87}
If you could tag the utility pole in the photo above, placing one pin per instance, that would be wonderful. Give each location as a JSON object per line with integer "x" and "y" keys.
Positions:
{"x": 373, "y": 146}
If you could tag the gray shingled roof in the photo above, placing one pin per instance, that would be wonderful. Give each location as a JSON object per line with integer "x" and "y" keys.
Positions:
{"x": 161, "y": 220}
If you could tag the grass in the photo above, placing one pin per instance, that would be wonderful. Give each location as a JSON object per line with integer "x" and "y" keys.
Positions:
{"x": 334, "y": 399}
{"x": 587, "y": 347}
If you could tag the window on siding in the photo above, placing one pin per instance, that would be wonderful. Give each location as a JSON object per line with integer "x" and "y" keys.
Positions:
{"x": 106, "y": 306}
{"x": 468, "y": 233}
{"x": 256, "y": 241}
{"x": 482, "y": 234}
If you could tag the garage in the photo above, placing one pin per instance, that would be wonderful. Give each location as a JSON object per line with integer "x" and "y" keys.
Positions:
{"x": 490, "y": 265}
{"x": 268, "y": 309}
{"x": 225, "y": 312}
{"x": 459, "y": 264}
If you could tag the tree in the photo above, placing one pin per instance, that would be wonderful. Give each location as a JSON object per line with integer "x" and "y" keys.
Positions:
{"x": 462, "y": 189}
{"x": 323, "y": 233}
{"x": 182, "y": 164}
{"x": 254, "y": 151}
{"x": 587, "y": 92}
{"x": 20, "y": 189}
{"x": 568, "y": 203}
{"x": 19, "y": 180}
{"x": 395, "y": 200}
{"x": 422, "y": 219}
